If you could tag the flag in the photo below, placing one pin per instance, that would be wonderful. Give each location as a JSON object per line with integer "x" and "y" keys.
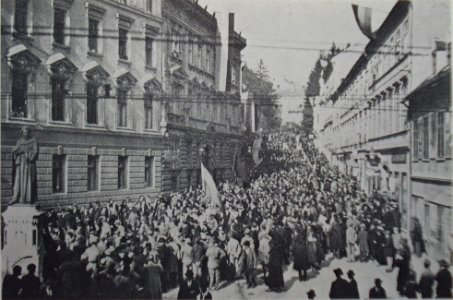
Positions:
{"x": 363, "y": 17}
{"x": 209, "y": 187}
{"x": 256, "y": 150}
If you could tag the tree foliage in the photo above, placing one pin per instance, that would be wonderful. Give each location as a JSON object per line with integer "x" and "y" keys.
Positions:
{"x": 308, "y": 120}
{"x": 262, "y": 91}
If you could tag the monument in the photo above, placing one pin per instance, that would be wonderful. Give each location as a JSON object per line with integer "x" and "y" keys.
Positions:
{"x": 22, "y": 244}
{"x": 25, "y": 154}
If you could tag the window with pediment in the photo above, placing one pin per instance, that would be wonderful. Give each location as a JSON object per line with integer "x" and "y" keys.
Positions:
{"x": 95, "y": 77}
{"x": 61, "y": 71}
{"x": 22, "y": 64}
{"x": 125, "y": 81}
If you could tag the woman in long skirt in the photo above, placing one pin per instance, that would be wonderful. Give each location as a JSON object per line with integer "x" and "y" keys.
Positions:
{"x": 275, "y": 279}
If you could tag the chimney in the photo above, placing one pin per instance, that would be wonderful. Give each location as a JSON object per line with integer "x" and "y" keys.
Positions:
{"x": 440, "y": 56}
{"x": 231, "y": 21}
{"x": 449, "y": 54}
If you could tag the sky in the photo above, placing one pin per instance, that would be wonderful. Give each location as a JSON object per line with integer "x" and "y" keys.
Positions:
{"x": 288, "y": 36}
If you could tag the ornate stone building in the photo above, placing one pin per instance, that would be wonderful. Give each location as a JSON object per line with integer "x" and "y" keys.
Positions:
{"x": 107, "y": 98}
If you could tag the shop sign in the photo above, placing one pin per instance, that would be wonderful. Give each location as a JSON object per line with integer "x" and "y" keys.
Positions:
{"x": 399, "y": 158}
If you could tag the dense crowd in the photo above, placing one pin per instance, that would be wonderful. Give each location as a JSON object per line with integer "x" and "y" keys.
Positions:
{"x": 300, "y": 208}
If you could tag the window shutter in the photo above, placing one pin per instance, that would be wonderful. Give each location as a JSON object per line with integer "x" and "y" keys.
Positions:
{"x": 433, "y": 135}
{"x": 447, "y": 136}
{"x": 420, "y": 137}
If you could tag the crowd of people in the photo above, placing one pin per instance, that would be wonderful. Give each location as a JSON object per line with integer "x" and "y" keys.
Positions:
{"x": 299, "y": 207}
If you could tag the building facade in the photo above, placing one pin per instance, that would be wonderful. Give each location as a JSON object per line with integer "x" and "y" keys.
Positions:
{"x": 431, "y": 165}
{"x": 103, "y": 96}
{"x": 202, "y": 78}
{"x": 368, "y": 133}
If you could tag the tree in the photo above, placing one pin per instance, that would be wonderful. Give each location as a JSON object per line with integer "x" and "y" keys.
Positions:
{"x": 263, "y": 94}
{"x": 307, "y": 121}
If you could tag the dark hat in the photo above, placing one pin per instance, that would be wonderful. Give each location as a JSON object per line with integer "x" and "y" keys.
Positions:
{"x": 311, "y": 294}
{"x": 351, "y": 272}
{"x": 377, "y": 280}
{"x": 338, "y": 271}
{"x": 443, "y": 263}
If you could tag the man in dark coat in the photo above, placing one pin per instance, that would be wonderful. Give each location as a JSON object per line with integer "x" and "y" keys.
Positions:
{"x": 377, "y": 291}
{"x": 444, "y": 281}
{"x": 189, "y": 288}
{"x": 403, "y": 263}
{"x": 353, "y": 288}
{"x": 299, "y": 249}
{"x": 31, "y": 285}
{"x": 426, "y": 282}
{"x": 339, "y": 288}
{"x": 12, "y": 284}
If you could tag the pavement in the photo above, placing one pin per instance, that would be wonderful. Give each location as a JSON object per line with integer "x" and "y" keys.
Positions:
{"x": 319, "y": 281}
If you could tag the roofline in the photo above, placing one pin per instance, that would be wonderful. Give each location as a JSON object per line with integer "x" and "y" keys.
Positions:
{"x": 395, "y": 16}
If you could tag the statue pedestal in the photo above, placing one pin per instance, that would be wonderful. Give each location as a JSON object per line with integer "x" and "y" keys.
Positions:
{"x": 22, "y": 243}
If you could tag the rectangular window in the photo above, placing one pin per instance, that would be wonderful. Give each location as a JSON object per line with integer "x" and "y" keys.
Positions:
{"x": 174, "y": 182}
{"x": 92, "y": 184}
{"x": 58, "y": 176}
{"x": 92, "y": 104}
{"x": 122, "y": 172}
{"x": 416, "y": 139}
{"x": 200, "y": 49}
{"x": 21, "y": 16}
{"x": 122, "y": 43}
{"x": 93, "y": 35}
{"x": 149, "y": 111}
{"x": 440, "y": 134}
{"x": 122, "y": 108}
{"x": 149, "y": 170}
{"x": 149, "y": 51}
{"x": 58, "y": 95}
{"x": 19, "y": 94}
{"x": 149, "y": 6}
{"x": 59, "y": 26}
{"x": 426, "y": 137}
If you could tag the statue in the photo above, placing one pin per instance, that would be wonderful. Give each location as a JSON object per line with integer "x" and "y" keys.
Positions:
{"x": 25, "y": 154}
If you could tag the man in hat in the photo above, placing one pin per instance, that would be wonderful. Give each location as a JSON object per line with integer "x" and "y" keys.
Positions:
{"x": 444, "y": 280}
{"x": 189, "y": 288}
{"x": 250, "y": 265}
{"x": 311, "y": 294}
{"x": 377, "y": 291}
{"x": 12, "y": 284}
{"x": 426, "y": 282}
{"x": 353, "y": 288}
{"x": 339, "y": 287}
{"x": 30, "y": 284}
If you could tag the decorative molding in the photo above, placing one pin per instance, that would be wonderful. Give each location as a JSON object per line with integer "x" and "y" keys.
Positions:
{"x": 124, "y": 21}
{"x": 63, "y": 4}
{"x": 94, "y": 11}
{"x": 58, "y": 65}
{"x": 150, "y": 30}
{"x": 20, "y": 58}
{"x": 94, "y": 73}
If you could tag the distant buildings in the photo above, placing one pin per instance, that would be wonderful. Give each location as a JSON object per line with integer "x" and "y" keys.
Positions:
{"x": 368, "y": 133}
{"x": 120, "y": 95}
